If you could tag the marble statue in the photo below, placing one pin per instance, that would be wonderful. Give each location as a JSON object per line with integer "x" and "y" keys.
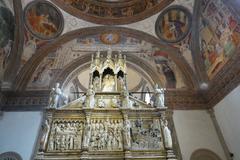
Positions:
{"x": 110, "y": 124}
{"x": 43, "y": 141}
{"x": 108, "y": 84}
{"x": 126, "y": 103}
{"x": 101, "y": 103}
{"x": 157, "y": 99}
{"x": 56, "y": 95}
{"x": 127, "y": 133}
{"x": 167, "y": 135}
{"x": 87, "y": 134}
{"x": 114, "y": 102}
{"x": 120, "y": 83}
{"x": 96, "y": 82}
{"x": 90, "y": 97}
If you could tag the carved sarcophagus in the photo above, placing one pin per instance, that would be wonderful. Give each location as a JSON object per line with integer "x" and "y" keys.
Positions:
{"x": 107, "y": 123}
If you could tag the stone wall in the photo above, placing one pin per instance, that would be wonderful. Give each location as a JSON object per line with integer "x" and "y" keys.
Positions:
{"x": 227, "y": 114}
{"x": 19, "y": 132}
{"x": 195, "y": 130}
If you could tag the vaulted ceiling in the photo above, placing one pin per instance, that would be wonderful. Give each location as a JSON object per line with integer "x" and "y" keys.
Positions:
{"x": 189, "y": 47}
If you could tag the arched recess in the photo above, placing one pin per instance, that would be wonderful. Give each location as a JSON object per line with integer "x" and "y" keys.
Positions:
{"x": 82, "y": 63}
{"x": 10, "y": 156}
{"x": 28, "y": 69}
{"x": 204, "y": 154}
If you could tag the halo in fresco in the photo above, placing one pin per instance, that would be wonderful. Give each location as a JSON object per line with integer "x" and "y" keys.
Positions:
{"x": 110, "y": 38}
{"x": 173, "y": 24}
{"x": 43, "y": 19}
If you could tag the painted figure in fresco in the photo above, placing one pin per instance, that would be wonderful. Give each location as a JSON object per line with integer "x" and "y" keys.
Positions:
{"x": 43, "y": 141}
{"x": 158, "y": 97}
{"x": 210, "y": 53}
{"x": 169, "y": 75}
{"x": 186, "y": 52}
{"x": 41, "y": 23}
{"x": 29, "y": 49}
{"x": 6, "y": 33}
{"x": 176, "y": 28}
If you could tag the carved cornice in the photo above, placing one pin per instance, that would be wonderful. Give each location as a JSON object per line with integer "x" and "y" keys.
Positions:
{"x": 184, "y": 100}
{"x": 24, "y": 101}
{"x": 37, "y": 100}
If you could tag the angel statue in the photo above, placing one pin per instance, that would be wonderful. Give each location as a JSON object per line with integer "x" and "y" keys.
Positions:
{"x": 56, "y": 95}
{"x": 157, "y": 100}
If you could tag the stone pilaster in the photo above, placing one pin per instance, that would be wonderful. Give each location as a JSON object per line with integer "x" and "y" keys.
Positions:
{"x": 219, "y": 133}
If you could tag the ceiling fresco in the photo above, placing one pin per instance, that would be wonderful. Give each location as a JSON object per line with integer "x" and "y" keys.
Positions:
{"x": 112, "y": 12}
{"x": 220, "y": 35}
{"x": 33, "y": 42}
{"x": 7, "y": 26}
{"x": 43, "y": 20}
{"x": 156, "y": 58}
{"x": 46, "y": 21}
{"x": 173, "y": 24}
{"x": 159, "y": 34}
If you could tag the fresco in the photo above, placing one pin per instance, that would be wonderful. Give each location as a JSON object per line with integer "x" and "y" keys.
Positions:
{"x": 31, "y": 44}
{"x": 7, "y": 26}
{"x": 67, "y": 53}
{"x": 173, "y": 24}
{"x": 110, "y": 11}
{"x": 220, "y": 35}
{"x": 43, "y": 74}
{"x": 43, "y": 20}
{"x": 110, "y": 38}
{"x": 185, "y": 49}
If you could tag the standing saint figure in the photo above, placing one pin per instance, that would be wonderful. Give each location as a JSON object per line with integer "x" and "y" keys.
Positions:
{"x": 120, "y": 83}
{"x": 87, "y": 134}
{"x": 126, "y": 103}
{"x": 167, "y": 135}
{"x": 96, "y": 82}
{"x": 157, "y": 100}
{"x": 43, "y": 141}
{"x": 127, "y": 133}
{"x": 55, "y": 95}
{"x": 90, "y": 97}
{"x": 108, "y": 83}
